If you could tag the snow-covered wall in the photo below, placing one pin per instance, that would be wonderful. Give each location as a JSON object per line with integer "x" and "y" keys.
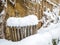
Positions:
{"x": 25, "y": 21}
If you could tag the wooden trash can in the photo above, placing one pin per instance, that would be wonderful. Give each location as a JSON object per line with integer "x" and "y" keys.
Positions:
{"x": 18, "y": 33}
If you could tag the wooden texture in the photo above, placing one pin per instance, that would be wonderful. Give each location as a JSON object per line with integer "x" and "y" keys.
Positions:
{"x": 25, "y": 8}
{"x": 18, "y": 33}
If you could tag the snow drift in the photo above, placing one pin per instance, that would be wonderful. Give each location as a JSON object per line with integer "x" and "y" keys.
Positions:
{"x": 25, "y": 21}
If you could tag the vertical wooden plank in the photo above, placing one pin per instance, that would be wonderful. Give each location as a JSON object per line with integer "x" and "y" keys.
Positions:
{"x": 18, "y": 33}
{"x": 21, "y": 32}
{"x": 35, "y": 28}
{"x": 28, "y": 31}
{"x": 13, "y": 34}
{"x": 31, "y": 30}
{"x": 8, "y": 34}
{"x": 15, "y": 30}
{"x": 25, "y": 31}
{"x": 10, "y": 29}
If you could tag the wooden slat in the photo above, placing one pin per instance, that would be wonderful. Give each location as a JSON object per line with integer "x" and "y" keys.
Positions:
{"x": 11, "y": 33}
{"x": 25, "y": 32}
{"x": 18, "y": 34}
{"x": 21, "y": 32}
{"x": 15, "y": 33}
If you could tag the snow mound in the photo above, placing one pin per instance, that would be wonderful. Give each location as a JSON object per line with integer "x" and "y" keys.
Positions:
{"x": 53, "y": 29}
{"x": 25, "y": 21}
{"x": 37, "y": 39}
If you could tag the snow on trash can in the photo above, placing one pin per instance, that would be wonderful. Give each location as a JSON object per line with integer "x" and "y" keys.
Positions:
{"x": 18, "y": 28}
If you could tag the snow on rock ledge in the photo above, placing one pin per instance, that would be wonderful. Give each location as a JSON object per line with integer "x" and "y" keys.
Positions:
{"x": 25, "y": 21}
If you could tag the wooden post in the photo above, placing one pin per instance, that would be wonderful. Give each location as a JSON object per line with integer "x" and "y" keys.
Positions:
{"x": 21, "y": 32}
{"x": 15, "y": 30}
{"x": 18, "y": 33}
{"x": 28, "y": 30}
{"x": 31, "y": 30}
{"x": 12, "y": 34}
{"x": 25, "y": 31}
{"x": 10, "y": 29}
